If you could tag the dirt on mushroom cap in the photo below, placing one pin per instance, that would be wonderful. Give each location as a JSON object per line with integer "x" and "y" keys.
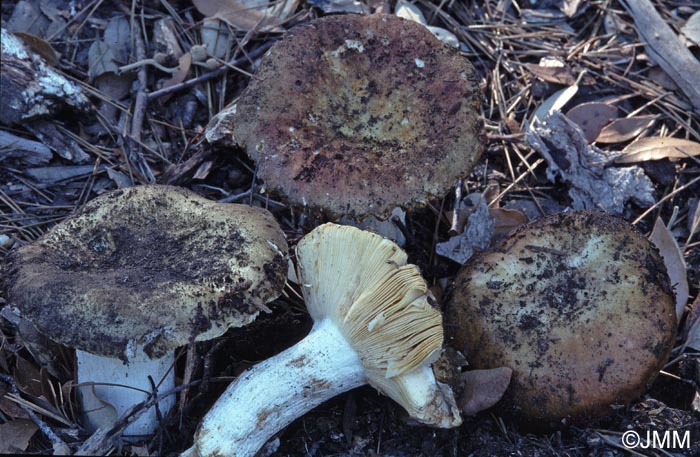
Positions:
{"x": 577, "y": 304}
{"x": 358, "y": 114}
{"x": 152, "y": 265}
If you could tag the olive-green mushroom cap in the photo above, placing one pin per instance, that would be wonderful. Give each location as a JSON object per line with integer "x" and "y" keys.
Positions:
{"x": 152, "y": 266}
{"x": 355, "y": 115}
{"x": 577, "y": 304}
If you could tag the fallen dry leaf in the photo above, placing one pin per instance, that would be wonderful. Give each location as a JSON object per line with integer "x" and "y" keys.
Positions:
{"x": 557, "y": 75}
{"x": 658, "y": 75}
{"x": 506, "y": 220}
{"x": 656, "y": 148}
{"x": 39, "y": 46}
{"x": 15, "y": 435}
{"x": 28, "y": 377}
{"x": 554, "y": 102}
{"x": 621, "y": 130}
{"x": 340, "y": 6}
{"x": 592, "y": 117}
{"x": 411, "y": 12}
{"x": 663, "y": 239}
{"x": 9, "y": 407}
{"x": 691, "y": 29}
{"x": 483, "y": 388}
{"x": 238, "y": 15}
{"x": 691, "y": 330}
{"x": 183, "y": 68}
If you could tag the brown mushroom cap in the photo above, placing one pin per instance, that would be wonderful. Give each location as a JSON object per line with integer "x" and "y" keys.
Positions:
{"x": 359, "y": 114}
{"x": 577, "y": 304}
{"x": 156, "y": 266}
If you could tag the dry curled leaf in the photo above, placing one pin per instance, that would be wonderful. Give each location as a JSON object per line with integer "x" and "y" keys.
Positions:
{"x": 592, "y": 117}
{"x": 663, "y": 239}
{"x": 483, "y": 388}
{"x": 621, "y": 130}
{"x": 656, "y": 148}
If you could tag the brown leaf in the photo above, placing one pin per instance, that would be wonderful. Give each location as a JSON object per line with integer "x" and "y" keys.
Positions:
{"x": 238, "y": 15}
{"x": 592, "y": 117}
{"x": 691, "y": 330}
{"x": 506, "y": 220}
{"x": 40, "y": 47}
{"x": 658, "y": 75}
{"x": 483, "y": 388}
{"x": 15, "y": 435}
{"x": 183, "y": 68}
{"x": 210, "y": 7}
{"x": 10, "y": 408}
{"x": 625, "y": 129}
{"x": 557, "y": 75}
{"x": 28, "y": 377}
{"x": 656, "y": 148}
{"x": 663, "y": 239}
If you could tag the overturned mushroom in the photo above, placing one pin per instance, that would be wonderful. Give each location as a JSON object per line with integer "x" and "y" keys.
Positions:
{"x": 577, "y": 304}
{"x": 356, "y": 115}
{"x": 373, "y": 323}
{"x": 137, "y": 273}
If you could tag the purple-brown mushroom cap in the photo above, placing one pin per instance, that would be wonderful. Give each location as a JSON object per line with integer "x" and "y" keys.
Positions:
{"x": 355, "y": 115}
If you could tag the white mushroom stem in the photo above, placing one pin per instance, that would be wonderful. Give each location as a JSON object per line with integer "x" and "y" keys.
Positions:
{"x": 270, "y": 395}
{"x": 126, "y": 385}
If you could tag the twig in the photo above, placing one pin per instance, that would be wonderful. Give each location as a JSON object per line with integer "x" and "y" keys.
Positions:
{"x": 140, "y": 106}
{"x": 212, "y": 74}
{"x": 102, "y": 439}
{"x": 454, "y": 228}
{"x": 59, "y": 446}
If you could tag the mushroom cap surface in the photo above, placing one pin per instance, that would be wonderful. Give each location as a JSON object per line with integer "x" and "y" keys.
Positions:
{"x": 577, "y": 304}
{"x": 355, "y": 115}
{"x": 152, "y": 266}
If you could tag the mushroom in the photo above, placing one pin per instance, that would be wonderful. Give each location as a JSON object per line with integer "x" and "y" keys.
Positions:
{"x": 355, "y": 115}
{"x": 373, "y": 323}
{"x": 577, "y": 304}
{"x": 138, "y": 272}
